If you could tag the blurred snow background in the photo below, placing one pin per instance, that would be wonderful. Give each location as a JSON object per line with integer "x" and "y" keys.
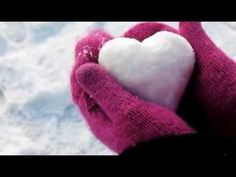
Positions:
{"x": 37, "y": 115}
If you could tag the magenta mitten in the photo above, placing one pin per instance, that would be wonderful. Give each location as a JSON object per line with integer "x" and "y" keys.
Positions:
{"x": 116, "y": 117}
{"x": 215, "y": 79}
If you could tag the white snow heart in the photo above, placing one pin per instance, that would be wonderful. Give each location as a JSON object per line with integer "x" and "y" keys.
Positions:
{"x": 157, "y": 69}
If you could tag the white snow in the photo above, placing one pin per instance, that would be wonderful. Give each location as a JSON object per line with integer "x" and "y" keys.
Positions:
{"x": 157, "y": 69}
{"x": 37, "y": 115}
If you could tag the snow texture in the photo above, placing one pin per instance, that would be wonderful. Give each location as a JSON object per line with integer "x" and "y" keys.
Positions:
{"x": 37, "y": 115}
{"x": 157, "y": 69}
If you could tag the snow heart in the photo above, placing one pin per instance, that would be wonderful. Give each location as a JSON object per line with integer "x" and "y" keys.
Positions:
{"x": 157, "y": 69}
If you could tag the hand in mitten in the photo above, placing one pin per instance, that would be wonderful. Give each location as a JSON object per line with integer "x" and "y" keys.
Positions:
{"x": 116, "y": 117}
{"x": 214, "y": 80}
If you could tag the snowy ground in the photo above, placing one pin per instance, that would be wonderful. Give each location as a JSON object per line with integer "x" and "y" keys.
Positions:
{"x": 37, "y": 115}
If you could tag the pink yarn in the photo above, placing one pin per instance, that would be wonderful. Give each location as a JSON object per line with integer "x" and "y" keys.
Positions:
{"x": 215, "y": 80}
{"x": 116, "y": 117}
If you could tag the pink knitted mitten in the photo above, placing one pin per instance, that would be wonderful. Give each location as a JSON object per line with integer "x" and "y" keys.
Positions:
{"x": 215, "y": 80}
{"x": 116, "y": 117}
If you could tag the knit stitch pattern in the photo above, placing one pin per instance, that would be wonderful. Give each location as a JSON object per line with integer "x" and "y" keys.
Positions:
{"x": 118, "y": 118}
{"x": 215, "y": 79}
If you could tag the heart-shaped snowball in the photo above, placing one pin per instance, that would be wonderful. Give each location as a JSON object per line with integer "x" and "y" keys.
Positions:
{"x": 157, "y": 69}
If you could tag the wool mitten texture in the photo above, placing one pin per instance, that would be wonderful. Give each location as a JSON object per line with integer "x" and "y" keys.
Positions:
{"x": 215, "y": 79}
{"x": 118, "y": 118}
